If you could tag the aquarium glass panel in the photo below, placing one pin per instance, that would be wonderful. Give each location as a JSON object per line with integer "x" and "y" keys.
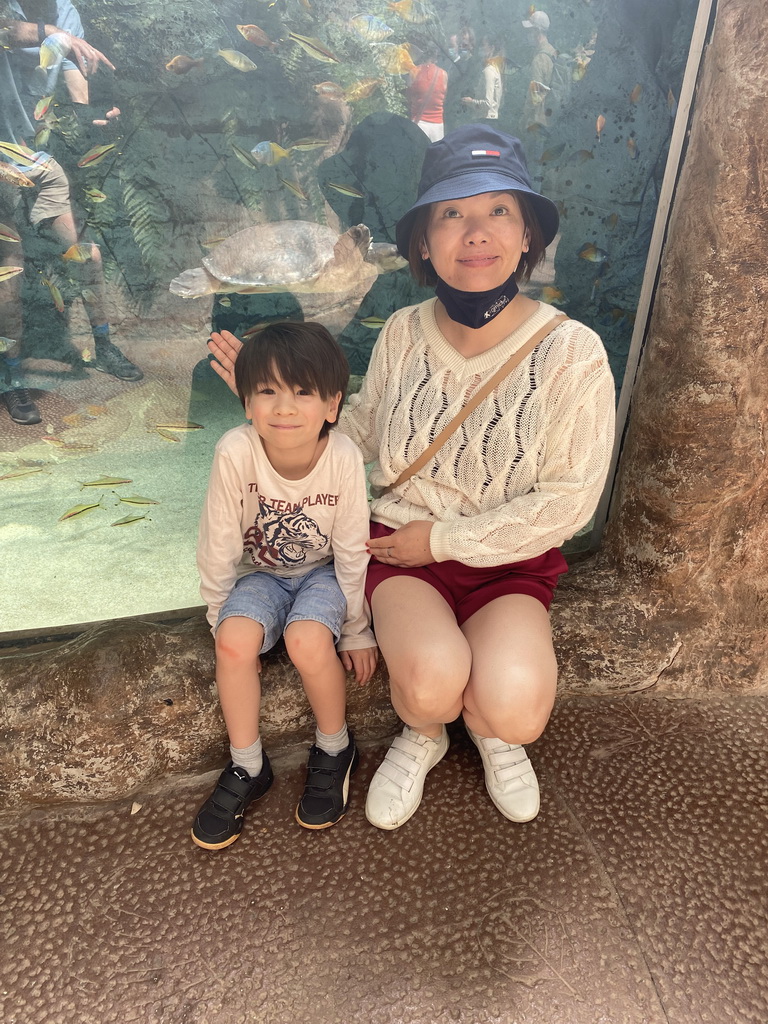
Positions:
{"x": 172, "y": 167}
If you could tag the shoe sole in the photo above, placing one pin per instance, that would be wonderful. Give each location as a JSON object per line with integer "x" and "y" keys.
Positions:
{"x": 214, "y": 846}
{"x": 327, "y": 824}
{"x": 391, "y": 828}
{"x": 111, "y": 373}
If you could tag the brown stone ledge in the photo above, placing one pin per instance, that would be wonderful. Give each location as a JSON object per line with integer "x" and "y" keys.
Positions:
{"x": 125, "y": 704}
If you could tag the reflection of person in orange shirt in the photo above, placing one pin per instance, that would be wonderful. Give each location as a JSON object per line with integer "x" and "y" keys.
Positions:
{"x": 426, "y": 94}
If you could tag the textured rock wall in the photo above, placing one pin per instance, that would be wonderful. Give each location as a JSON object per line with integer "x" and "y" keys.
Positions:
{"x": 682, "y": 577}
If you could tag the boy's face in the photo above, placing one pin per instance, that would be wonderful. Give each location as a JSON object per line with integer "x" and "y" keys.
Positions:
{"x": 288, "y": 418}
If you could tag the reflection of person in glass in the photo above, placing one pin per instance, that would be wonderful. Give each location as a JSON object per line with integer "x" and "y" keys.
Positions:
{"x": 466, "y": 551}
{"x": 542, "y": 66}
{"x": 426, "y": 94}
{"x": 55, "y": 41}
{"x": 490, "y": 87}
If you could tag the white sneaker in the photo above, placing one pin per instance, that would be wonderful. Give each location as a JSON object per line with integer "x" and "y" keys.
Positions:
{"x": 396, "y": 788}
{"x": 509, "y": 777}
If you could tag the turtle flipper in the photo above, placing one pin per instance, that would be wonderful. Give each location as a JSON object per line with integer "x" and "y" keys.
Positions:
{"x": 194, "y": 283}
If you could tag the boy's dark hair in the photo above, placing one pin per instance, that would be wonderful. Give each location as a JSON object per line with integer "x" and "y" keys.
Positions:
{"x": 303, "y": 355}
{"x": 423, "y": 271}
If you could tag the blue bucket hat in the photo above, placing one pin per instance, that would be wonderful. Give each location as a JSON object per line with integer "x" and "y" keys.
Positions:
{"x": 472, "y": 159}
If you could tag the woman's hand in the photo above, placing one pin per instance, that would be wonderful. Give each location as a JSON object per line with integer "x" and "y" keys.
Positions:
{"x": 224, "y": 348}
{"x": 407, "y": 547}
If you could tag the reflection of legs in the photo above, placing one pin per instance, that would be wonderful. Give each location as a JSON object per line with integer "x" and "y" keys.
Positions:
{"x": 429, "y": 662}
{"x": 510, "y": 695}
{"x": 52, "y": 213}
{"x": 16, "y": 397}
{"x": 64, "y": 229}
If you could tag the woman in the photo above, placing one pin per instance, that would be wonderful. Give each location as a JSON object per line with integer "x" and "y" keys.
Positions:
{"x": 465, "y": 553}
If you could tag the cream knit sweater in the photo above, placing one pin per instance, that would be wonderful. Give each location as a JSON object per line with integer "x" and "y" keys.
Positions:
{"x": 523, "y": 473}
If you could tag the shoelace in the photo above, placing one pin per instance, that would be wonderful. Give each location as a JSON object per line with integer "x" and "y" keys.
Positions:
{"x": 403, "y": 761}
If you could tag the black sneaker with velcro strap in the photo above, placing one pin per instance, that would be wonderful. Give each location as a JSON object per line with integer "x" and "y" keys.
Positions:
{"x": 219, "y": 821}
{"x": 326, "y": 791}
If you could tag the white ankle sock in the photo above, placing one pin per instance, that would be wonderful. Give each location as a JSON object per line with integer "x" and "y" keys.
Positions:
{"x": 332, "y": 743}
{"x": 250, "y": 758}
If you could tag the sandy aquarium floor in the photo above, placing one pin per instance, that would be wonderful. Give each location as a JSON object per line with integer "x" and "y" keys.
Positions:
{"x": 85, "y": 569}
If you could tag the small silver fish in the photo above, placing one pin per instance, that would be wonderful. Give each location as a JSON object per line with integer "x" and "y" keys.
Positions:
{"x": 346, "y": 190}
{"x": 80, "y": 510}
{"x": 167, "y": 435}
{"x": 180, "y": 425}
{"x": 127, "y": 520}
{"x": 136, "y": 499}
{"x": 14, "y": 473}
{"x": 237, "y": 60}
{"x": 105, "y": 481}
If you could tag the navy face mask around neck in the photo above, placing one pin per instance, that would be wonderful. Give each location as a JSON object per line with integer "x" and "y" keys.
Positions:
{"x": 475, "y": 309}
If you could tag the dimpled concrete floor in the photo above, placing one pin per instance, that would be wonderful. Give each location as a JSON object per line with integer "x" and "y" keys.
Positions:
{"x": 638, "y": 896}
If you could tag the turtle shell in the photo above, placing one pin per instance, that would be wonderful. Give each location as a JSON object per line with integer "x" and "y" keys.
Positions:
{"x": 273, "y": 256}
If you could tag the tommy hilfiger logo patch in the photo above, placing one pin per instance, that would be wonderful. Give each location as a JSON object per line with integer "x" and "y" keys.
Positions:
{"x": 486, "y": 152}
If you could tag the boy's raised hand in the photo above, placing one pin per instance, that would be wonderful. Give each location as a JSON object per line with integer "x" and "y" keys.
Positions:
{"x": 362, "y": 663}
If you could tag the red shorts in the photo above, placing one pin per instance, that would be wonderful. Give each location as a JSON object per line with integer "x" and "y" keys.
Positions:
{"x": 467, "y": 589}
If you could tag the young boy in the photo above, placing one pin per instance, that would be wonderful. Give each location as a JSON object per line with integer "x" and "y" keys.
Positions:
{"x": 282, "y": 551}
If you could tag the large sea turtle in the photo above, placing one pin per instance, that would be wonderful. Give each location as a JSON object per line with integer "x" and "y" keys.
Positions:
{"x": 330, "y": 274}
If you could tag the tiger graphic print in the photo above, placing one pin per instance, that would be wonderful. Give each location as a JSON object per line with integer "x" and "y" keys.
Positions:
{"x": 282, "y": 537}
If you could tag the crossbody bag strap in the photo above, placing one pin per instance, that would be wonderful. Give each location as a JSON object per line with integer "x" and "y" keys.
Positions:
{"x": 477, "y": 398}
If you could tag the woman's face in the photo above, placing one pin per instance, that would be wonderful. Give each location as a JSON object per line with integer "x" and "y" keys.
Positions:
{"x": 475, "y": 244}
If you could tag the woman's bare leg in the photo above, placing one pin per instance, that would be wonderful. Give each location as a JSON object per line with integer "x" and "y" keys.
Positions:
{"x": 428, "y": 658}
{"x": 511, "y": 688}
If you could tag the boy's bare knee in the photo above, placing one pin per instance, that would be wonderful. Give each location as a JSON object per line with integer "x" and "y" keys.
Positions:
{"x": 307, "y": 640}
{"x": 238, "y": 642}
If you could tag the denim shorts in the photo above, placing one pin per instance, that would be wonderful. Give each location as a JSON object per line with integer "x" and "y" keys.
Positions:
{"x": 276, "y": 601}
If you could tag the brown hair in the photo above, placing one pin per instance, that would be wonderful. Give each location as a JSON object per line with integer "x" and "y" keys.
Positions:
{"x": 303, "y": 355}
{"x": 423, "y": 271}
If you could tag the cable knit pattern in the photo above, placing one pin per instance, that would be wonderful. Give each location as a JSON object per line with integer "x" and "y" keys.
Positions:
{"x": 525, "y": 470}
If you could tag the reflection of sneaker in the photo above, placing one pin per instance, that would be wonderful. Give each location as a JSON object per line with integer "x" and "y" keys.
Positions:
{"x": 219, "y": 821}
{"x": 326, "y": 792}
{"x": 109, "y": 359}
{"x": 509, "y": 777}
{"x": 396, "y": 788}
{"x": 20, "y": 406}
